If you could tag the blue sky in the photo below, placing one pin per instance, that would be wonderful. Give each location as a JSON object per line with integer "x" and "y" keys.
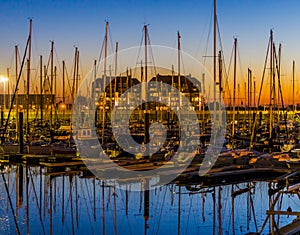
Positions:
{"x": 82, "y": 23}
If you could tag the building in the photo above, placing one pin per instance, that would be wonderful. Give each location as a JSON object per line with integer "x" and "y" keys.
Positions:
{"x": 190, "y": 87}
{"x": 21, "y": 100}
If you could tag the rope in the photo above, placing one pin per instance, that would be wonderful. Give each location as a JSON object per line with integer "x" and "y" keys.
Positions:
{"x": 100, "y": 55}
{"x": 227, "y": 75}
{"x": 138, "y": 54}
{"x": 202, "y": 35}
{"x": 110, "y": 39}
{"x": 223, "y": 58}
{"x": 151, "y": 53}
{"x": 16, "y": 89}
{"x": 208, "y": 37}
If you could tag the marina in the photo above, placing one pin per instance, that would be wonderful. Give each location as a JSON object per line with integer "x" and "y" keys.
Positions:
{"x": 150, "y": 140}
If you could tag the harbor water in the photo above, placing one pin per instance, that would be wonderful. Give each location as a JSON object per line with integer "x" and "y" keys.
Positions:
{"x": 71, "y": 202}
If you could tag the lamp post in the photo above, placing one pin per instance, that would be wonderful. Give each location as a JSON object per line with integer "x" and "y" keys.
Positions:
{"x": 3, "y": 79}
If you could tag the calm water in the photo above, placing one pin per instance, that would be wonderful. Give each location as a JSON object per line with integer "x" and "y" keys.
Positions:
{"x": 72, "y": 204}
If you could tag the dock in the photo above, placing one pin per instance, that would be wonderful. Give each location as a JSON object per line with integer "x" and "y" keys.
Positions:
{"x": 290, "y": 229}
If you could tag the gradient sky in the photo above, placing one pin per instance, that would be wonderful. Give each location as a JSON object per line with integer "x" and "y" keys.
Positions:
{"x": 82, "y": 23}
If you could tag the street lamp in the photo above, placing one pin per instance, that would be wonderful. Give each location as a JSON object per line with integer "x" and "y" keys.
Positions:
{"x": 3, "y": 79}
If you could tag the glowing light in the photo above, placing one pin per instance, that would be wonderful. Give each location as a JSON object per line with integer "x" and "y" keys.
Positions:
{"x": 3, "y": 78}
{"x": 62, "y": 106}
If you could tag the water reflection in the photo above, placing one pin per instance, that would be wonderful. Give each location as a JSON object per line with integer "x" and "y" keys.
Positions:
{"x": 73, "y": 202}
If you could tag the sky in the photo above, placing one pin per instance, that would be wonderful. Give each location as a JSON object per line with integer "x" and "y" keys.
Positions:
{"x": 82, "y": 24}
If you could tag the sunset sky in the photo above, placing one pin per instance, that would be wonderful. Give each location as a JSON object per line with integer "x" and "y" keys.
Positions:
{"x": 82, "y": 24}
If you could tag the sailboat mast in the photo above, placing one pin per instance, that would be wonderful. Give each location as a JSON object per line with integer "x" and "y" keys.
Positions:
{"x": 254, "y": 93}
{"x": 234, "y": 87}
{"x": 220, "y": 81}
{"x": 279, "y": 86}
{"x": 51, "y": 84}
{"x": 93, "y": 90}
{"x": 116, "y": 70}
{"x": 74, "y": 75}
{"x": 172, "y": 76}
{"x": 55, "y": 93}
{"x": 41, "y": 87}
{"x": 28, "y": 77}
{"x": 179, "y": 76}
{"x": 215, "y": 58}
{"x": 104, "y": 80}
{"x": 249, "y": 95}
{"x": 245, "y": 95}
{"x": 17, "y": 75}
{"x": 63, "y": 88}
{"x": 77, "y": 72}
{"x": 179, "y": 48}
{"x": 203, "y": 103}
{"x": 110, "y": 88}
{"x": 172, "y": 87}
{"x": 146, "y": 114}
{"x": 45, "y": 86}
{"x": 146, "y": 56}
{"x": 271, "y": 83}
{"x": 7, "y": 104}
{"x": 105, "y": 51}
{"x": 293, "y": 85}
{"x": 127, "y": 80}
{"x": 215, "y": 41}
{"x": 63, "y": 82}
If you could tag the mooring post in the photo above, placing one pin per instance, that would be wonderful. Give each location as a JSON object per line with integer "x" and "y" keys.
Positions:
{"x": 21, "y": 136}
{"x": 260, "y": 118}
{"x": 2, "y": 118}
